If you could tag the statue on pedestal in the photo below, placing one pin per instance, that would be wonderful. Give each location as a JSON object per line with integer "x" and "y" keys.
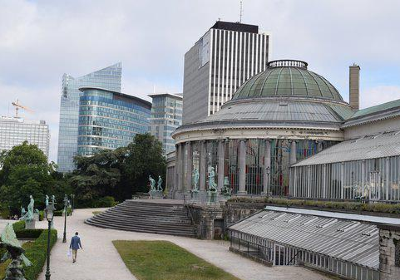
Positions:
{"x": 195, "y": 177}
{"x": 28, "y": 216}
{"x": 152, "y": 183}
{"x": 47, "y": 200}
{"x": 159, "y": 184}
{"x": 212, "y": 186}
{"x": 15, "y": 252}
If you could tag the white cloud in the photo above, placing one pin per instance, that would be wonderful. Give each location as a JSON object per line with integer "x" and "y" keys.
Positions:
{"x": 378, "y": 95}
{"x": 40, "y": 40}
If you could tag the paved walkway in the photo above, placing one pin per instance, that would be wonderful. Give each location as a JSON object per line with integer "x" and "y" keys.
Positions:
{"x": 100, "y": 260}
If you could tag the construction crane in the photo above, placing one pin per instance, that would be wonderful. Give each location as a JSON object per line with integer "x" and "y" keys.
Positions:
{"x": 19, "y": 106}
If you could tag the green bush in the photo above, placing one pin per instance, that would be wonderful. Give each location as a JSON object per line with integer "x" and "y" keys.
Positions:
{"x": 107, "y": 201}
{"x": 4, "y": 213}
{"x": 41, "y": 215}
{"x": 29, "y": 233}
{"x": 19, "y": 226}
{"x": 60, "y": 212}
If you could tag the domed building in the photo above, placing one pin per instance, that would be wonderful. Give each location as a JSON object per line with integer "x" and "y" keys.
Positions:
{"x": 278, "y": 117}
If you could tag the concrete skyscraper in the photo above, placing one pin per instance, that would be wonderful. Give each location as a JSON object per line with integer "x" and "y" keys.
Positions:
{"x": 108, "y": 78}
{"x": 218, "y": 64}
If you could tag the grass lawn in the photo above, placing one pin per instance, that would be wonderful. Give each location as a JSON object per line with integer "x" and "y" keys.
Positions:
{"x": 155, "y": 260}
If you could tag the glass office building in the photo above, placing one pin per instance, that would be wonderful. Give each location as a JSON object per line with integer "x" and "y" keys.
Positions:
{"x": 14, "y": 131}
{"x": 108, "y": 78}
{"x": 109, "y": 119}
{"x": 166, "y": 116}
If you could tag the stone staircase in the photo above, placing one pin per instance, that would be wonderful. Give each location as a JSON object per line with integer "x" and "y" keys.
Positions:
{"x": 160, "y": 216}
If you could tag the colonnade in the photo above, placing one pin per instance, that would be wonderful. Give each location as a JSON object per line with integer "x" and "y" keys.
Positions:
{"x": 184, "y": 165}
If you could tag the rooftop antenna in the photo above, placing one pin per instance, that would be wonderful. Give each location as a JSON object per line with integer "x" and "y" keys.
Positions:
{"x": 241, "y": 11}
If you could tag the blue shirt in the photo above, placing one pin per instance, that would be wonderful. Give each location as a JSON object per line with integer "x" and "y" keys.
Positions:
{"x": 75, "y": 243}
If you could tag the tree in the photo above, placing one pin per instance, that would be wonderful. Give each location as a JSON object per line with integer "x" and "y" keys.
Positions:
{"x": 118, "y": 173}
{"x": 144, "y": 157}
{"x": 25, "y": 172}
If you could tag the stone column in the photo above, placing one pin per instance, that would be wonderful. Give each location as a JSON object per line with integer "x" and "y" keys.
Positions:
{"x": 221, "y": 164}
{"x": 176, "y": 169}
{"x": 363, "y": 177}
{"x": 180, "y": 168}
{"x": 242, "y": 168}
{"x": 342, "y": 180}
{"x": 387, "y": 177}
{"x": 267, "y": 168}
{"x": 324, "y": 181}
{"x": 293, "y": 154}
{"x": 203, "y": 168}
{"x": 189, "y": 166}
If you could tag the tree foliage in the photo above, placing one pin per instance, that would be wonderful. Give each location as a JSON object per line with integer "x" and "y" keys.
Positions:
{"x": 118, "y": 173}
{"x": 25, "y": 171}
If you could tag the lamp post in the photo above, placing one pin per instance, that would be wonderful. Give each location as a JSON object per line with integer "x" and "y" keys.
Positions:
{"x": 65, "y": 218}
{"x": 49, "y": 216}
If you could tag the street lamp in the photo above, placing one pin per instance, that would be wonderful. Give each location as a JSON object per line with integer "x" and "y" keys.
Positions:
{"x": 49, "y": 216}
{"x": 65, "y": 220}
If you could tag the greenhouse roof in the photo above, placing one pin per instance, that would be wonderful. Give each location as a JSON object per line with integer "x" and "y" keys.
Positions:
{"x": 368, "y": 147}
{"x": 348, "y": 240}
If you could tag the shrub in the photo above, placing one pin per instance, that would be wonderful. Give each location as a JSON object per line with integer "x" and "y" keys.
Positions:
{"x": 29, "y": 233}
{"x": 19, "y": 226}
{"x": 60, "y": 212}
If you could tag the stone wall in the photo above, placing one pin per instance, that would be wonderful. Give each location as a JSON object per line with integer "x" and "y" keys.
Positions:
{"x": 236, "y": 211}
{"x": 389, "y": 252}
{"x": 208, "y": 220}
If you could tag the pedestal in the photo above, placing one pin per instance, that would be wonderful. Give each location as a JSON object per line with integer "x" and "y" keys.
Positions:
{"x": 36, "y": 216}
{"x": 30, "y": 224}
{"x": 156, "y": 194}
{"x": 241, "y": 193}
{"x": 212, "y": 198}
{"x": 194, "y": 195}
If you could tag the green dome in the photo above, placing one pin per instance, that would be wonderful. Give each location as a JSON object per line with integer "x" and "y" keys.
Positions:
{"x": 288, "y": 78}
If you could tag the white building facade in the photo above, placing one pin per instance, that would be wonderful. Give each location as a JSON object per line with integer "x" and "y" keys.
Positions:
{"x": 14, "y": 131}
{"x": 218, "y": 64}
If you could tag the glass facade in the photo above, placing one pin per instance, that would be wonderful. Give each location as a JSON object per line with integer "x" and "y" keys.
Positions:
{"x": 108, "y": 78}
{"x": 276, "y": 162}
{"x": 14, "y": 131}
{"x": 108, "y": 120}
{"x": 166, "y": 116}
{"x": 371, "y": 179}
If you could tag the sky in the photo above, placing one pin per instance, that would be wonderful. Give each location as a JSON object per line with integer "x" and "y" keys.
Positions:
{"x": 42, "y": 39}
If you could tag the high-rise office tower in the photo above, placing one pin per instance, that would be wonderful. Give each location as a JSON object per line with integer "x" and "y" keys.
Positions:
{"x": 109, "y": 120}
{"x": 218, "y": 64}
{"x": 166, "y": 116}
{"x": 14, "y": 131}
{"x": 108, "y": 78}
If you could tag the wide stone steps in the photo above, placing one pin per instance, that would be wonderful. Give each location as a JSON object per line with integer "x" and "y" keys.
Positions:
{"x": 149, "y": 216}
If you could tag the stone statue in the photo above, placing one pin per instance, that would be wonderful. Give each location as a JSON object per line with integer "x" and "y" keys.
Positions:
{"x": 159, "y": 184}
{"x": 29, "y": 215}
{"x": 53, "y": 198}
{"x": 226, "y": 190}
{"x": 212, "y": 186}
{"x": 152, "y": 183}
{"x": 195, "y": 177}
{"x": 23, "y": 211}
{"x": 15, "y": 252}
{"x": 47, "y": 200}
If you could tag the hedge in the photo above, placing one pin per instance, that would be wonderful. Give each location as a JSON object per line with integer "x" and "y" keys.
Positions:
{"x": 328, "y": 205}
{"x": 36, "y": 251}
{"x": 60, "y": 212}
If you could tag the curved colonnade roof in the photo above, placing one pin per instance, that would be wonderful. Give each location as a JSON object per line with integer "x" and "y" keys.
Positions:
{"x": 286, "y": 94}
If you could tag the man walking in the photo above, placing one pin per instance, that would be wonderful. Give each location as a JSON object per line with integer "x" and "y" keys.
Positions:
{"x": 75, "y": 246}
